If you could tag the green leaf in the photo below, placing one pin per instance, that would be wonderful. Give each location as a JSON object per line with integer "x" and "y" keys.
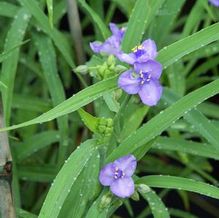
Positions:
{"x": 133, "y": 115}
{"x": 172, "y": 182}
{"x": 84, "y": 190}
{"x": 143, "y": 13}
{"x": 178, "y": 144}
{"x": 209, "y": 109}
{"x": 30, "y": 103}
{"x": 103, "y": 206}
{"x": 8, "y": 9}
{"x": 200, "y": 123}
{"x": 50, "y": 11}
{"x": 61, "y": 43}
{"x": 157, "y": 207}
{"x": 7, "y": 54}
{"x": 95, "y": 17}
{"x": 163, "y": 120}
{"x": 181, "y": 214}
{"x": 9, "y": 66}
{"x": 89, "y": 120}
{"x": 177, "y": 50}
{"x": 193, "y": 19}
{"x": 162, "y": 23}
{"x": 77, "y": 101}
{"x": 39, "y": 173}
{"x": 111, "y": 101}
{"x": 126, "y": 6}
{"x": 25, "y": 214}
{"x": 56, "y": 89}
{"x": 35, "y": 143}
{"x": 66, "y": 179}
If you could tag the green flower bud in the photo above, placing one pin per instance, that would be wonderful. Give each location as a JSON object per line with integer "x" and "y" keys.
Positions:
{"x": 81, "y": 69}
{"x": 111, "y": 60}
{"x": 135, "y": 196}
{"x": 120, "y": 68}
{"x": 142, "y": 188}
{"x": 105, "y": 201}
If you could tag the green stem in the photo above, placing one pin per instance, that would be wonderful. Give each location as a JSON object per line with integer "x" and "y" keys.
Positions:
{"x": 76, "y": 32}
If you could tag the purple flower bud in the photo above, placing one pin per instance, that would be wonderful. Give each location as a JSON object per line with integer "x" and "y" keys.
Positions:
{"x": 214, "y": 2}
{"x": 144, "y": 81}
{"x": 118, "y": 174}
{"x": 112, "y": 44}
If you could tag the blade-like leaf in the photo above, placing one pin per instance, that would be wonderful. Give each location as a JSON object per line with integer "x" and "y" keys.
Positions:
{"x": 66, "y": 178}
{"x": 143, "y": 13}
{"x": 180, "y": 183}
{"x": 157, "y": 207}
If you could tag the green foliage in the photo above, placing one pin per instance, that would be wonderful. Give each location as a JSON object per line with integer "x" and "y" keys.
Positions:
{"x": 68, "y": 121}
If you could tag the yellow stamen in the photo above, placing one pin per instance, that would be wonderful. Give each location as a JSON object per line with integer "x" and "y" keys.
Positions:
{"x": 136, "y": 48}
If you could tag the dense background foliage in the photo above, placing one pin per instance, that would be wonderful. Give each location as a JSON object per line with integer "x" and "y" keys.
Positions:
{"x": 176, "y": 142}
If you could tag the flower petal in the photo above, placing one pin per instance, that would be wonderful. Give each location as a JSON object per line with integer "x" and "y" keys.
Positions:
{"x": 150, "y": 92}
{"x": 123, "y": 187}
{"x": 96, "y": 46}
{"x": 106, "y": 174}
{"x": 128, "y": 83}
{"x": 150, "y": 48}
{"x": 110, "y": 46}
{"x": 152, "y": 67}
{"x": 214, "y": 2}
{"x": 127, "y": 58}
{"x": 114, "y": 29}
{"x": 127, "y": 164}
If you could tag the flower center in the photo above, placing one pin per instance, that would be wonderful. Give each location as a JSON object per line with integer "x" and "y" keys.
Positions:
{"x": 118, "y": 173}
{"x": 138, "y": 51}
{"x": 145, "y": 77}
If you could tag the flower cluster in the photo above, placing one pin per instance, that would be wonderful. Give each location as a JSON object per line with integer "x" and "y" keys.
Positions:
{"x": 118, "y": 174}
{"x": 143, "y": 76}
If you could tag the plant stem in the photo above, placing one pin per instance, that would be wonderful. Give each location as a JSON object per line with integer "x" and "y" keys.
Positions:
{"x": 6, "y": 203}
{"x": 75, "y": 29}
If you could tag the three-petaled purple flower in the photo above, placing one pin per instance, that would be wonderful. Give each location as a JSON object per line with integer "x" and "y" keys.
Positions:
{"x": 144, "y": 81}
{"x": 118, "y": 174}
{"x": 112, "y": 44}
{"x": 214, "y": 2}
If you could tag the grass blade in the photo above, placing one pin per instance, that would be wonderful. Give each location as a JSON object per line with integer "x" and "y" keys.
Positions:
{"x": 141, "y": 16}
{"x": 175, "y": 51}
{"x": 56, "y": 89}
{"x": 172, "y": 182}
{"x": 157, "y": 207}
{"x": 66, "y": 178}
{"x": 195, "y": 148}
{"x": 77, "y": 101}
{"x": 9, "y": 66}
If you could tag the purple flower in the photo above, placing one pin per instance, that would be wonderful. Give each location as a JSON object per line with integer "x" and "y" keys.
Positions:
{"x": 214, "y": 2}
{"x": 118, "y": 174}
{"x": 142, "y": 53}
{"x": 144, "y": 81}
{"x": 112, "y": 44}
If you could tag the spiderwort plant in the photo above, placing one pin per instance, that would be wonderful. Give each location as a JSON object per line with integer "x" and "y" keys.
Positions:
{"x": 118, "y": 175}
{"x": 143, "y": 77}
